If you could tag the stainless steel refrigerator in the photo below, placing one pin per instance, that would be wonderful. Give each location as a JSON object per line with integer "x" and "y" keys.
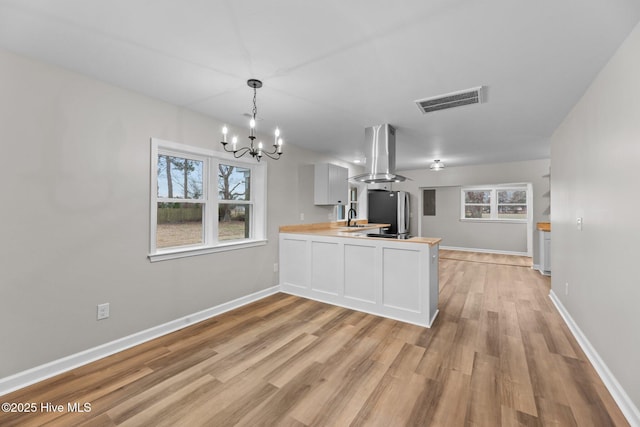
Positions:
{"x": 389, "y": 207}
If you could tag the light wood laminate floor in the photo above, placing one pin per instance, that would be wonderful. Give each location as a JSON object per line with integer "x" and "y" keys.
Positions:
{"x": 515, "y": 260}
{"x": 498, "y": 355}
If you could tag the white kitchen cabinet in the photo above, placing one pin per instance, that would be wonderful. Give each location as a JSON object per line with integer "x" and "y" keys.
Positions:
{"x": 545, "y": 252}
{"x": 392, "y": 278}
{"x": 331, "y": 186}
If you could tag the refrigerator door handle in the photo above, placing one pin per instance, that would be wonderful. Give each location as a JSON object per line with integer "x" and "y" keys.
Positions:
{"x": 400, "y": 214}
{"x": 403, "y": 213}
{"x": 407, "y": 212}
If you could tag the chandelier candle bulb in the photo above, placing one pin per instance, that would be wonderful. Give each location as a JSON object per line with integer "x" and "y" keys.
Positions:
{"x": 275, "y": 141}
{"x": 280, "y": 146}
{"x": 224, "y": 133}
{"x": 234, "y": 143}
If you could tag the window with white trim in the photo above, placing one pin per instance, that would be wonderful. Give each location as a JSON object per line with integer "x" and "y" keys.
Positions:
{"x": 204, "y": 201}
{"x": 234, "y": 202}
{"x": 495, "y": 203}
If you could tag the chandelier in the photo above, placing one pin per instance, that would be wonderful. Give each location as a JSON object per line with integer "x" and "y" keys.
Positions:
{"x": 255, "y": 151}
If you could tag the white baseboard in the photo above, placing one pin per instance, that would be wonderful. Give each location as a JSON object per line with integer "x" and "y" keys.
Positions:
{"x": 540, "y": 270}
{"x": 484, "y": 251}
{"x": 623, "y": 400}
{"x": 48, "y": 370}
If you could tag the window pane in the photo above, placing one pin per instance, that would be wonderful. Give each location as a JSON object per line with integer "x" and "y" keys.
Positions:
{"x": 179, "y": 178}
{"x": 481, "y": 196}
{"x": 179, "y": 224}
{"x": 234, "y": 183}
{"x": 234, "y": 221}
{"x": 477, "y": 212}
{"x": 512, "y": 211}
{"x": 512, "y": 196}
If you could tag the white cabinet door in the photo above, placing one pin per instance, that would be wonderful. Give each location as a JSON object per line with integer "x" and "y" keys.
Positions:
{"x": 547, "y": 252}
{"x": 401, "y": 280}
{"x": 325, "y": 259}
{"x": 330, "y": 184}
{"x": 544, "y": 245}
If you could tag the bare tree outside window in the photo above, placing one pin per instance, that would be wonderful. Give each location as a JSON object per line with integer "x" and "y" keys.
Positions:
{"x": 512, "y": 204}
{"x": 477, "y": 204}
{"x": 495, "y": 203}
{"x": 180, "y": 193}
{"x": 234, "y": 209}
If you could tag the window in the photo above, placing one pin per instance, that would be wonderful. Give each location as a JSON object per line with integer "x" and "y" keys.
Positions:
{"x": 477, "y": 204}
{"x": 495, "y": 203}
{"x": 204, "y": 201}
{"x": 180, "y": 201}
{"x": 234, "y": 202}
{"x": 512, "y": 204}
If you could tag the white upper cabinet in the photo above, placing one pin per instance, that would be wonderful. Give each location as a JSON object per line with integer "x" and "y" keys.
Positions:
{"x": 330, "y": 184}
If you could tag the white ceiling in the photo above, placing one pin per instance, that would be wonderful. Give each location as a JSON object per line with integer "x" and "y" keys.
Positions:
{"x": 332, "y": 67}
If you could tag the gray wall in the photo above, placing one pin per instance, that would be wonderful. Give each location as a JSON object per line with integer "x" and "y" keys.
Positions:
{"x": 595, "y": 175}
{"x": 465, "y": 234}
{"x": 491, "y": 236}
{"x": 75, "y": 215}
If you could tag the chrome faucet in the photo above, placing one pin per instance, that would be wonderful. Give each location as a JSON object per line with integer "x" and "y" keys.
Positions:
{"x": 349, "y": 217}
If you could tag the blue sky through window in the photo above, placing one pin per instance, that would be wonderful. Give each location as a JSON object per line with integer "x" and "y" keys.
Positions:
{"x": 183, "y": 171}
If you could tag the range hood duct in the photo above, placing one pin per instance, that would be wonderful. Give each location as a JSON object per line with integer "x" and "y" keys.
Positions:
{"x": 380, "y": 141}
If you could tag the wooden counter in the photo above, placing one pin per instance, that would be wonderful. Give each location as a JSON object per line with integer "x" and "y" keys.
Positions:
{"x": 339, "y": 229}
{"x": 543, "y": 226}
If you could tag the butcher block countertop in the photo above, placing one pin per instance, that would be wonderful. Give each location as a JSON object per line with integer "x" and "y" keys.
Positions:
{"x": 340, "y": 229}
{"x": 544, "y": 226}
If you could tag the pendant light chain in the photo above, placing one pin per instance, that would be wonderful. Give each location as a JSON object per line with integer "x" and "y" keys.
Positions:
{"x": 255, "y": 107}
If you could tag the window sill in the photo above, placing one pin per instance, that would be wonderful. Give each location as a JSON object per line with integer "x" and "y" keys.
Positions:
{"x": 200, "y": 250}
{"x": 507, "y": 221}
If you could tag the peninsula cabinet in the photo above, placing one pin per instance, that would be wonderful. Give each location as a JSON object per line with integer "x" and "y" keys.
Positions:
{"x": 386, "y": 277}
{"x": 331, "y": 186}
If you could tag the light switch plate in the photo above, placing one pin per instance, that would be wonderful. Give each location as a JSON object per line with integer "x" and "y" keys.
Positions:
{"x": 579, "y": 223}
{"x": 103, "y": 311}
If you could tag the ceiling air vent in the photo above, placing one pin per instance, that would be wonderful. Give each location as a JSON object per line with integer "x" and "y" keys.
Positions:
{"x": 450, "y": 100}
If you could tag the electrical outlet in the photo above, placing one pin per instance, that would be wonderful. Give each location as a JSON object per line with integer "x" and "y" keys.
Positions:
{"x": 103, "y": 311}
{"x": 579, "y": 223}
{"x": 275, "y": 267}
{"x": 301, "y": 217}
{"x": 566, "y": 288}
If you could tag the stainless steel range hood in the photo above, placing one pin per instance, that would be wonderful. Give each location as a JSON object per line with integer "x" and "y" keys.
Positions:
{"x": 380, "y": 143}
